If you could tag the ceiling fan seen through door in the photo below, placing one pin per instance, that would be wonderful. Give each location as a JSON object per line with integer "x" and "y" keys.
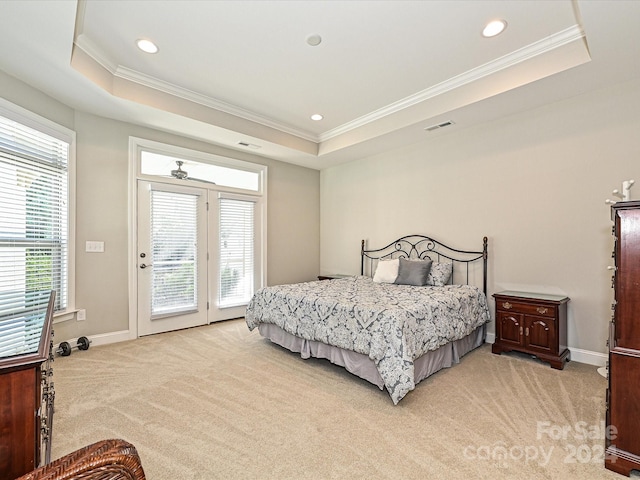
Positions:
{"x": 181, "y": 174}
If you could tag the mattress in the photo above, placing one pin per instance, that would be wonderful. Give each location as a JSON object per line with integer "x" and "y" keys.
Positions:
{"x": 391, "y": 325}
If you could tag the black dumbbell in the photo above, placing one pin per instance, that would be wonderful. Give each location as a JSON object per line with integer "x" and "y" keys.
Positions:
{"x": 65, "y": 347}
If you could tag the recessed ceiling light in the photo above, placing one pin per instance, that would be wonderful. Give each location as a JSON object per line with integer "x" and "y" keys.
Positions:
{"x": 317, "y": 117}
{"x": 494, "y": 28}
{"x": 147, "y": 45}
{"x": 314, "y": 40}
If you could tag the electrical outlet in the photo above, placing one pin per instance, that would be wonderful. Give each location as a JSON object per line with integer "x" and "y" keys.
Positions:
{"x": 81, "y": 315}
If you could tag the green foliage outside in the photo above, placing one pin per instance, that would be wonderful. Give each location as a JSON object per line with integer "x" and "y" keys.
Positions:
{"x": 229, "y": 279}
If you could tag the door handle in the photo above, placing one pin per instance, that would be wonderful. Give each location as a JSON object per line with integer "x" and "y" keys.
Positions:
{"x": 142, "y": 265}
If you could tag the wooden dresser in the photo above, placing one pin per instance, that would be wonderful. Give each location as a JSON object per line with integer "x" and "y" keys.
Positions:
{"x": 533, "y": 323}
{"x": 26, "y": 391}
{"x": 623, "y": 395}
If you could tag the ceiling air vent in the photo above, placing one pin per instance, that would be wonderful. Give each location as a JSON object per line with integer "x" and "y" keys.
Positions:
{"x": 249, "y": 145}
{"x": 440, "y": 125}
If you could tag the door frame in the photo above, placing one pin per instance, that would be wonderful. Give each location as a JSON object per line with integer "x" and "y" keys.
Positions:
{"x": 135, "y": 145}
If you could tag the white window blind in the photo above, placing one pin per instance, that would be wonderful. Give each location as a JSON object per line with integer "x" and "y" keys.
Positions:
{"x": 237, "y": 220}
{"x": 34, "y": 225}
{"x": 174, "y": 227}
{"x": 21, "y": 334}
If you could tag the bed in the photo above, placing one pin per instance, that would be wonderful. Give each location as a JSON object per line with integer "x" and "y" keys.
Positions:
{"x": 417, "y": 307}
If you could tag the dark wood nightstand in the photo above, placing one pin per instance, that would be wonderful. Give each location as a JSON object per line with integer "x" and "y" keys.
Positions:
{"x": 332, "y": 276}
{"x": 532, "y": 323}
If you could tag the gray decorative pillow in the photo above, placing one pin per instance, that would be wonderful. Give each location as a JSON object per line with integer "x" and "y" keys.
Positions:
{"x": 439, "y": 274}
{"x": 413, "y": 272}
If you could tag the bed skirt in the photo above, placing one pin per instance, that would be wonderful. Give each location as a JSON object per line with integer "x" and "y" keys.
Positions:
{"x": 362, "y": 366}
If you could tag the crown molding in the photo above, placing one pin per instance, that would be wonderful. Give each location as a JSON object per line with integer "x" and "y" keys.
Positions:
{"x": 124, "y": 73}
{"x": 540, "y": 47}
{"x": 210, "y": 102}
{"x": 85, "y": 44}
{"x": 530, "y": 51}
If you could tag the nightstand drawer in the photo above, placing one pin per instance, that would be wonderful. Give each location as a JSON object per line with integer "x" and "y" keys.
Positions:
{"x": 509, "y": 305}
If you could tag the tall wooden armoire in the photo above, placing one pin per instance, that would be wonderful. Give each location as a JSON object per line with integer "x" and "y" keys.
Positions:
{"x": 623, "y": 394}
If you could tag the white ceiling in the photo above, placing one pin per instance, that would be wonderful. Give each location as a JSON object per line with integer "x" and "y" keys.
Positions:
{"x": 242, "y": 71}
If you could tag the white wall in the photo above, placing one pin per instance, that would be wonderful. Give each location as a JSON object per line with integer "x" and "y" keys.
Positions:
{"x": 293, "y": 210}
{"x": 534, "y": 183}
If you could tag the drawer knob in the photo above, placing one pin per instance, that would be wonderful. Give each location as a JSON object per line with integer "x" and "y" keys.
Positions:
{"x": 542, "y": 310}
{"x": 507, "y": 305}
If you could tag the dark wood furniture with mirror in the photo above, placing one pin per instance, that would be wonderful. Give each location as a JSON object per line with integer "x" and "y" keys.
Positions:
{"x": 26, "y": 388}
{"x": 532, "y": 323}
{"x": 623, "y": 395}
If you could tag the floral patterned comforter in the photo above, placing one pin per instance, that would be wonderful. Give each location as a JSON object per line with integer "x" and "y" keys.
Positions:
{"x": 392, "y": 324}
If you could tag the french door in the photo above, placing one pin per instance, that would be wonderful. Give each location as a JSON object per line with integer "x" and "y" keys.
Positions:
{"x": 198, "y": 255}
{"x": 171, "y": 257}
{"x": 234, "y": 222}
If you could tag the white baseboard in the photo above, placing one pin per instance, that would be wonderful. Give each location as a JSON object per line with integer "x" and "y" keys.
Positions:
{"x": 577, "y": 354}
{"x": 587, "y": 356}
{"x": 102, "y": 338}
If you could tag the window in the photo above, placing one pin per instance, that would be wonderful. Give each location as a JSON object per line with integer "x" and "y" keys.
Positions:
{"x": 34, "y": 213}
{"x": 152, "y": 163}
{"x": 174, "y": 230}
{"x": 237, "y": 239}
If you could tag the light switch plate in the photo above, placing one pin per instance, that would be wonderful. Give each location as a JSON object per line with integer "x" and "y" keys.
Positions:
{"x": 94, "y": 247}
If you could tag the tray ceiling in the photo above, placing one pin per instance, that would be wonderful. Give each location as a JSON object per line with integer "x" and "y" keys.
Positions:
{"x": 242, "y": 73}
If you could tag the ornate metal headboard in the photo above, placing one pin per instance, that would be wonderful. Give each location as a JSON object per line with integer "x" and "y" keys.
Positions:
{"x": 422, "y": 247}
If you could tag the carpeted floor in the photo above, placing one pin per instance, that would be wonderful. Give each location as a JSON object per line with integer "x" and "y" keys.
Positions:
{"x": 221, "y": 402}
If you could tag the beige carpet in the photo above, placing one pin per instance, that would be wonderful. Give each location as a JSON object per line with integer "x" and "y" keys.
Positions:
{"x": 221, "y": 402}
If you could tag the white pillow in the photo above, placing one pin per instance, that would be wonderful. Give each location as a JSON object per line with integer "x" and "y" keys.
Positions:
{"x": 387, "y": 271}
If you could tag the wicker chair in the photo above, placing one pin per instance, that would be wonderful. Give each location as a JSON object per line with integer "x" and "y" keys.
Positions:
{"x": 104, "y": 460}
